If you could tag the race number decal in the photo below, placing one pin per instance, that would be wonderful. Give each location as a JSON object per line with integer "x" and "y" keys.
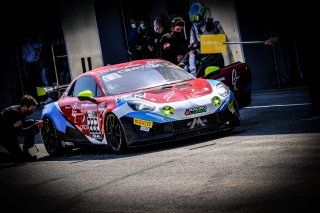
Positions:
{"x": 93, "y": 124}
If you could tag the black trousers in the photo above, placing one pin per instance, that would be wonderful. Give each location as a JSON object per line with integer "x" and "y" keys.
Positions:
{"x": 10, "y": 140}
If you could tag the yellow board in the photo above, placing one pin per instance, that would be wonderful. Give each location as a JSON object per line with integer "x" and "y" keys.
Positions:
{"x": 143, "y": 122}
{"x": 213, "y": 43}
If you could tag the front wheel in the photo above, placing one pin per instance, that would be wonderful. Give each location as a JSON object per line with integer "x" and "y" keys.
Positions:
{"x": 50, "y": 138}
{"x": 114, "y": 134}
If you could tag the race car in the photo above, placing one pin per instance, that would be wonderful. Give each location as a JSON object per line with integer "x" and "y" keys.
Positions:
{"x": 135, "y": 103}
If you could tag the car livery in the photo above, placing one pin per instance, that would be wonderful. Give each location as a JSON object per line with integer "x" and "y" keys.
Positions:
{"x": 134, "y": 103}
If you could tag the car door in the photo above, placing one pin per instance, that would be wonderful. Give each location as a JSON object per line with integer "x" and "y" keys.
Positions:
{"x": 84, "y": 113}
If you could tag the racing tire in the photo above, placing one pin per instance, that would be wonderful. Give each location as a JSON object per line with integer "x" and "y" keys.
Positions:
{"x": 115, "y": 134}
{"x": 50, "y": 138}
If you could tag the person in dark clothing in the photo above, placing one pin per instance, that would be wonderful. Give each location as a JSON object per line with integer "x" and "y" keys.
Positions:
{"x": 174, "y": 45}
{"x": 132, "y": 38}
{"x": 13, "y": 123}
{"x": 145, "y": 40}
{"x": 161, "y": 27}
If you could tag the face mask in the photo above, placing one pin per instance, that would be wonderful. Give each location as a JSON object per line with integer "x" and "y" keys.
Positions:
{"x": 142, "y": 26}
{"x": 156, "y": 30}
{"x": 177, "y": 34}
{"x": 133, "y": 26}
{"x": 29, "y": 112}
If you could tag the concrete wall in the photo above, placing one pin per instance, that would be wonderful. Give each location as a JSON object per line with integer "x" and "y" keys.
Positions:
{"x": 111, "y": 31}
{"x": 81, "y": 34}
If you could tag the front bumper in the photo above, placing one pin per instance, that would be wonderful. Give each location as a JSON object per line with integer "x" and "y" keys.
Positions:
{"x": 175, "y": 130}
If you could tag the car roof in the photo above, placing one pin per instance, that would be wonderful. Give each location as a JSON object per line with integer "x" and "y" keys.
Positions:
{"x": 124, "y": 65}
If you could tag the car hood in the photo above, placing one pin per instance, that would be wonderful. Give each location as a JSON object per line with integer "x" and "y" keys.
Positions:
{"x": 175, "y": 92}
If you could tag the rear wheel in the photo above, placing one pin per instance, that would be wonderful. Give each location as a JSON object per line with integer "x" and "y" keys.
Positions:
{"x": 114, "y": 134}
{"x": 50, "y": 138}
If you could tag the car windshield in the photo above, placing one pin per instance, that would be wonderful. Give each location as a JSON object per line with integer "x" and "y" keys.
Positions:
{"x": 143, "y": 76}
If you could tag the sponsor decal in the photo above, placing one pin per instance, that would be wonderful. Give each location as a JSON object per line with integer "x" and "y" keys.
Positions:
{"x": 111, "y": 77}
{"x": 198, "y": 92}
{"x": 140, "y": 95}
{"x": 84, "y": 127}
{"x": 230, "y": 106}
{"x": 87, "y": 105}
{"x": 167, "y": 111}
{"x": 216, "y": 101}
{"x": 118, "y": 99}
{"x": 143, "y": 123}
{"x": 74, "y": 112}
{"x": 234, "y": 79}
{"x": 195, "y": 110}
{"x": 160, "y": 118}
{"x": 145, "y": 129}
{"x": 169, "y": 95}
{"x": 198, "y": 122}
{"x": 137, "y": 67}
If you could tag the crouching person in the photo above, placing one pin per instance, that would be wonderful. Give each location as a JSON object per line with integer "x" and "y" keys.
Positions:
{"x": 13, "y": 123}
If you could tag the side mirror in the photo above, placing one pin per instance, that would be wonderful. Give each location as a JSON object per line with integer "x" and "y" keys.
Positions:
{"x": 211, "y": 69}
{"x": 86, "y": 95}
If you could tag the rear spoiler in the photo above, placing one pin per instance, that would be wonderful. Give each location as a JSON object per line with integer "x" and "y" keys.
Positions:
{"x": 41, "y": 91}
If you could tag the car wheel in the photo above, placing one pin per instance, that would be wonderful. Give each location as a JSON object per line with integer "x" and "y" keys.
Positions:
{"x": 114, "y": 134}
{"x": 50, "y": 137}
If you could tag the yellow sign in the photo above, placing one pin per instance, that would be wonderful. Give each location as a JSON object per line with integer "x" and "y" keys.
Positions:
{"x": 230, "y": 106}
{"x": 213, "y": 43}
{"x": 143, "y": 122}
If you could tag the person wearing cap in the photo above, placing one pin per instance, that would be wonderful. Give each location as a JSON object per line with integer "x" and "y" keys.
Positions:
{"x": 203, "y": 24}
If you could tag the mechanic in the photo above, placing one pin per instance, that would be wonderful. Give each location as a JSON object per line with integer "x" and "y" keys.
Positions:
{"x": 174, "y": 45}
{"x": 13, "y": 123}
{"x": 200, "y": 17}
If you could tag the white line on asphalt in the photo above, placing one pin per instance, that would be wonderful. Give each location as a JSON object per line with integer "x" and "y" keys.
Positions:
{"x": 278, "y": 105}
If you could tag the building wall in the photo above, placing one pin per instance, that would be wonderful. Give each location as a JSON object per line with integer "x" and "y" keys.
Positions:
{"x": 111, "y": 31}
{"x": 81, "y": 35}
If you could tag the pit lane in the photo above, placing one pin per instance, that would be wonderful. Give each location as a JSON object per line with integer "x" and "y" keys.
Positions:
{"x": 271, "y": 162}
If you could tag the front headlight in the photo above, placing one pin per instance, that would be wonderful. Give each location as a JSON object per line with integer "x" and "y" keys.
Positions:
{"x": 222, "y": 89}
{"x": 140, "y": 106}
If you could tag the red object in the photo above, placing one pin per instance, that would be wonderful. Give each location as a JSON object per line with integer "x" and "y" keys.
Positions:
{"x": 238, "y": 78}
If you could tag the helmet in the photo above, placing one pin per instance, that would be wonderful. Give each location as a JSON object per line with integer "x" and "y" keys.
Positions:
{"x": 197, "y": 12}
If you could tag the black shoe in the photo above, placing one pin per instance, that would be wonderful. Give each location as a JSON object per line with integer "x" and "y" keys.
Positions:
{"x": 311, "y": 116}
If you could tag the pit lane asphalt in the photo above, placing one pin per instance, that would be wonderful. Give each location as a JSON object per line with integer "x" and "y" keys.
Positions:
{"x": 271, "y": 163}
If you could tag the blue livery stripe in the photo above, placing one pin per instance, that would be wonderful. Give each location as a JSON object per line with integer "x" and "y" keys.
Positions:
{"x": 121, "y": 102}
{"x": 212, "y": 82}
{"x": 56, "y": 116}
{"x": 226, "y": 102}
{"x": 149, "y": 116}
